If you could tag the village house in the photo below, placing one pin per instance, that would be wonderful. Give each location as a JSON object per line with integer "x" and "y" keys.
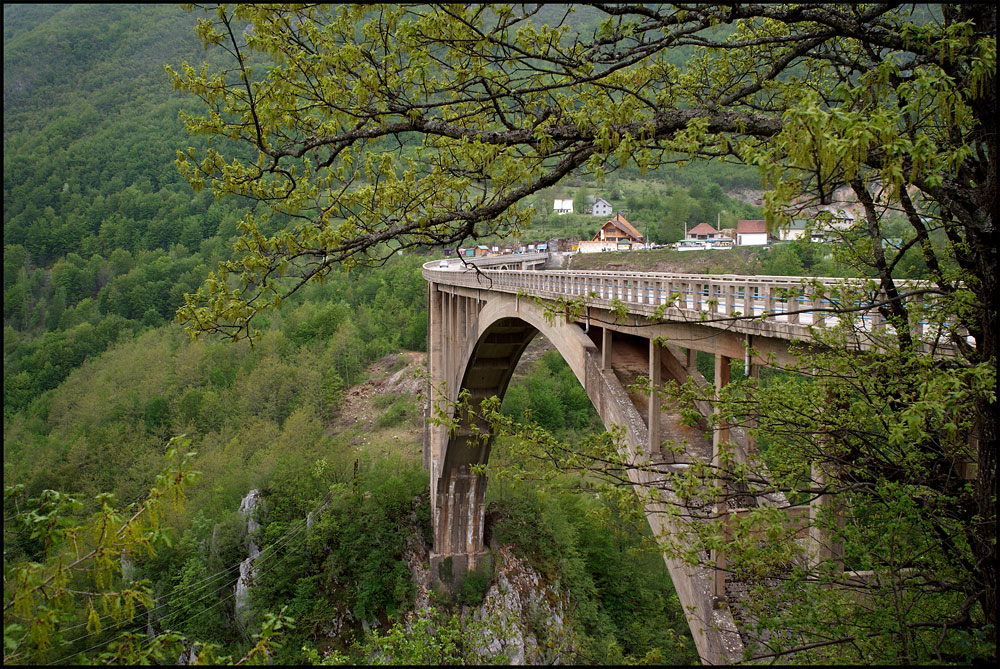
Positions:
{"x": 617, "y": 234}
{"x": 794, "y": 230}
{"x": 751, "y": 233}
{"x": 601, "y": 207}
{"x": 704, "y": 231}
{"x": 619, "y": 230}
{"x": 563, "y": 207}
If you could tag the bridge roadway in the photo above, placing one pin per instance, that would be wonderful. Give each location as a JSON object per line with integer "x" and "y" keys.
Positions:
{"x": 482, "y": 317}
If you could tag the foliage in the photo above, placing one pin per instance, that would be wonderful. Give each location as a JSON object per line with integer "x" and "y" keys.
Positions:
{"x": 349, "y": 564}
{"x": 73, "y": 567}
{"x": 550, "y": 395}
{"x": 432, "y": 638}
{"x": 475, "y": 585}
{"x": 440, "y": 149}
{"x": 607, "y": 561}
{"x": 101, "y": 237}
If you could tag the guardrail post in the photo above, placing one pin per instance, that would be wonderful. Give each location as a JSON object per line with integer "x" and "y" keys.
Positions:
{"x": 793, "y": 308}
{"x": 818, "y": 317}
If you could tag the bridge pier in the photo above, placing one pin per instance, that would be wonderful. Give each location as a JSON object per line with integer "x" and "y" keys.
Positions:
{"x": 459, "y": 517}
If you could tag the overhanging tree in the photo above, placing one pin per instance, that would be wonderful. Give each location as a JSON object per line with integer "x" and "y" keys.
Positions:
{"x": 372, "y": 129}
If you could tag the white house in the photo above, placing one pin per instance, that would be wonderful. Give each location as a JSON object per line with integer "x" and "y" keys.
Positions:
{"x": 563, "y": 207}
{"x": 601, "y": 208}
{"x": 751, "y": 233}
{"x": 795, "y": 230}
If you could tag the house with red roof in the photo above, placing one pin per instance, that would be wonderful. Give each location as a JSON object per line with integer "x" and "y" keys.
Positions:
{"x": 751, "y": 233}
{"x": 703, "y": 231}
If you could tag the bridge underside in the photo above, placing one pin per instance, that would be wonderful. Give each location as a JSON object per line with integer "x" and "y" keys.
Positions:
{"x": 460, "y": 495}
{"x": 475, "y": 345}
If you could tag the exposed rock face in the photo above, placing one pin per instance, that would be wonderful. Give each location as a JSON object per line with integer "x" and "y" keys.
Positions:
{"x": 247, "y": 508}
{"x": 522, "y": 616}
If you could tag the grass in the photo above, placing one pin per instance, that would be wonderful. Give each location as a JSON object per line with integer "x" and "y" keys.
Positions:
{"x": 716, "y": 261}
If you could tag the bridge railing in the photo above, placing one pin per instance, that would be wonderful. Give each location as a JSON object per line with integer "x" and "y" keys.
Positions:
{"x": 796, "y": 302}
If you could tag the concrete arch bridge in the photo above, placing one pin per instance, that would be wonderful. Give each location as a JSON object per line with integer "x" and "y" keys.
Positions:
{"x": 481, "y": 321}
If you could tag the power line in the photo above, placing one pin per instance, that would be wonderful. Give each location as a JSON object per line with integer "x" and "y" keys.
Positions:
{"x": 173, "y": 615}
{"x": 198, "y": 585}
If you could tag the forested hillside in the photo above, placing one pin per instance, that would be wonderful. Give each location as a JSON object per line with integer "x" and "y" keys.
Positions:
{"x": 101, "y": 235}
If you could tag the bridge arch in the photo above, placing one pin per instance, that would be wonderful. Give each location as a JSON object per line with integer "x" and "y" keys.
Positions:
{"x": 486, "y": 343}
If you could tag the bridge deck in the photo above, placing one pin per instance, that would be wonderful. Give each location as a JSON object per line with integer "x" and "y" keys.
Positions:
{"x": 784, "y": 307}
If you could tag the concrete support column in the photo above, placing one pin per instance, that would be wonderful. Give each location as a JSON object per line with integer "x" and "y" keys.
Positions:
{"x": 916, "y": 327}
{"x": 449, "y": 345}
{"x": 794, "y": 305}
{"x": 818, "y": 317}
{"x": 730, "y": 291}
{"x": 655, "y": 379}
{"x": 458, "y": 525}
{"x": 719, "y": 436}
{"x": 454, "y": 346}
{"x": 606, "y": 348}
{"x": 822, "y": 546}
{"x": 434, "y": 373}
{"x": 463, "y": 321}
